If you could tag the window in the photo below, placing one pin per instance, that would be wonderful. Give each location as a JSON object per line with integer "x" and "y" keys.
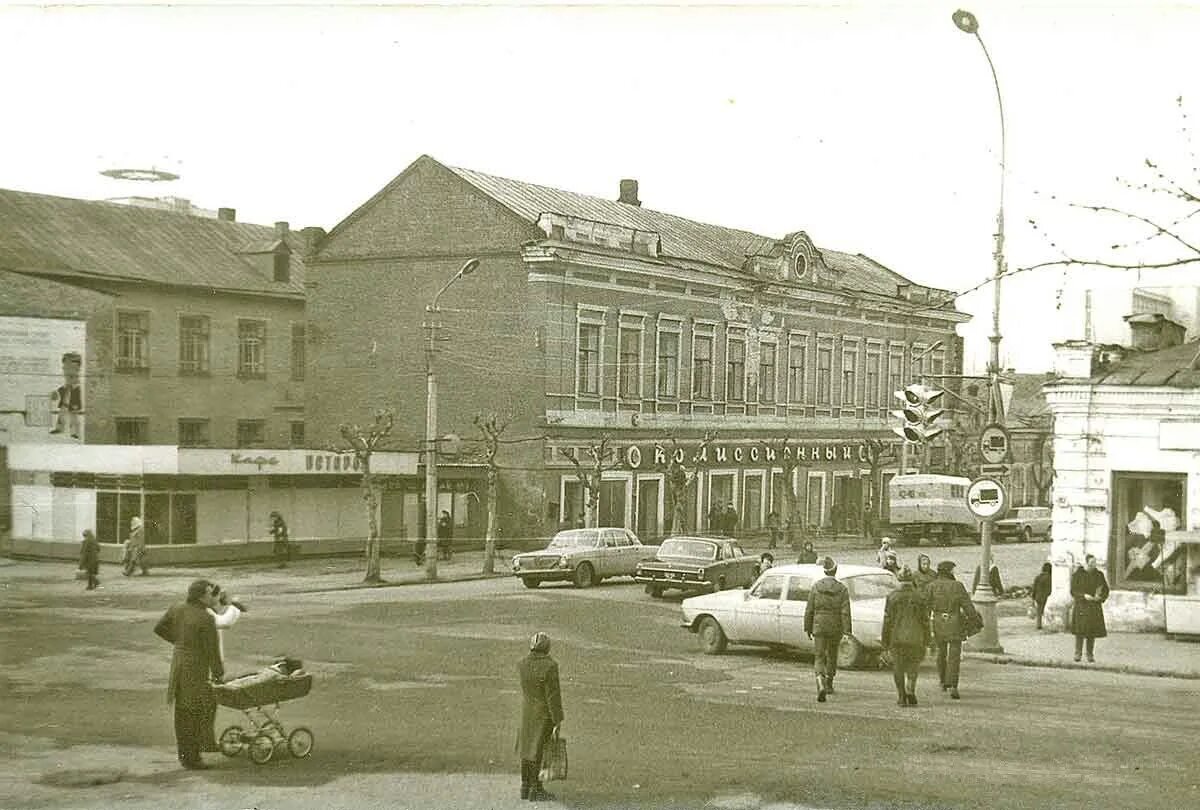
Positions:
{"x": 1145, "y": 507}
{"x": 589, "y": 359}
{"x": 193, "y": 432}
{"x": 797, "y": 349}
{"x": 193, "y": 344}
{"x": 769, "y": 587}
{"x": 630, "y": 360}
{"x": 283, "y": 265}
{"x": 298, "y": 356}
{"x": 702, "y": 364}
{"x": 135, "y": 430}
{"x": 896, "y": 367}
{"x": 251, "y": 432}
{"x": 735, "y": 367}
{"x": 937, "y": 367}
{"x": 668, "y": 362}
{"x": 252, "y": 349}
{"x": 296, "y": 434}
{"x": 871, "y": 377}
{"x": 849, "y": 374}
{"x": 766, "y": 372}
{"x": 824, "y": 373}
{"x": 798, "y": 587}
{"x": 133, "y": 340}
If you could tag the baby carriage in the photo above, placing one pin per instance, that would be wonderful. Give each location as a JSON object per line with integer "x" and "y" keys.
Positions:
{"x": 253, "y": 695}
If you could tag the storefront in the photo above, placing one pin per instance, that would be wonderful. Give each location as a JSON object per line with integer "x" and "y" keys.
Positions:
{"x": 213, "y": 505}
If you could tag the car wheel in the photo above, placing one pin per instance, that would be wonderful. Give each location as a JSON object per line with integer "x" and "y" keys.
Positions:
{"x": 712, "y": 637}
{"x": 655, "y": 591}
{"x": 1028, "y": 535}
{"x": 530, "y": 582}
{"x": 850, "y": 653}
{"x": 585, "y": 576}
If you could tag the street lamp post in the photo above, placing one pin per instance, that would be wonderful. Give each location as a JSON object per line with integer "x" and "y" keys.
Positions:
{"x": 431, "y": 421}
{"x": 984, "y": 598}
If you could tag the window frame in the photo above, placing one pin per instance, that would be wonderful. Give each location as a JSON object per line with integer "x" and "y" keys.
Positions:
{"x": 204, "y": 423}
{"x": 872, "y": 393}
{"x": 589, "y": 319}
{"x": 630, "y": 324}
{"x": 138, "y": 360}
{"x": 850, "y": 351}
{"x": 299, "y": 350}
{"x": 188, "y": 366}
{"x": 768, "y": 394}
{"x": 703, "y": 383}
{"x": 245, "y": 370}
{"x": 823, "y": 389}
{"x": 667, "y": 327}
{"x": 240, "y": 443}
{"x": 735, "y": 372}
{"x": 1123, "y": 510}
{"x": 142, "y": 423}
{"x": 797, "y": 340}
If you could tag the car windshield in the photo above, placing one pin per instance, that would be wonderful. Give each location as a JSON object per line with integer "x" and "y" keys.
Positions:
{"x": 688, "y": 548}
{"x": 578, "y": 538}
{"x": 871, "y": 586}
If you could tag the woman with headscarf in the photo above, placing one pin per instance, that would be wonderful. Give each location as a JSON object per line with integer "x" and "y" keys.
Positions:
{"x": 135, "y": 548}
{"x": 906, "y": 635}
{"x": 924, "y": 573}
{"x": 541, "y": 714}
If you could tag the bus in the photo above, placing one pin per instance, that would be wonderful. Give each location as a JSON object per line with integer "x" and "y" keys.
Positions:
{"x": 932, "y": 507}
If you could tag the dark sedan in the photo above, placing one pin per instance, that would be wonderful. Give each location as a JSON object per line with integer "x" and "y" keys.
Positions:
{"x": 697, "y": 565}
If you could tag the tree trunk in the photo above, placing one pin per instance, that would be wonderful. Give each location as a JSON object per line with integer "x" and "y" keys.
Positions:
{"x": 372, "y": 552}
{"x": 489, "y": 543}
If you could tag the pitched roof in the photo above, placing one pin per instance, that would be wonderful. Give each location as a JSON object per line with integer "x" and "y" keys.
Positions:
{"x": 681, "y": 238}
{"x": 30, "y": 296}
{"x": 1028, "y": 404}
{"x": 61, "y": 235}
{"x": 1174, "y": 367}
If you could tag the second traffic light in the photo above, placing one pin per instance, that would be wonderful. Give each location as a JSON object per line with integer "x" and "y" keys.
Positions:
{"x": 918, "y": 413}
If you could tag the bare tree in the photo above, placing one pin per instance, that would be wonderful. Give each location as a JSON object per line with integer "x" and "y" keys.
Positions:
{"x": 492, "y": 427}
{"x": 681, "y": 471}
{"x": 590, "y": 471}
{"x": 879, "y": 452}
{"x": 363, "y": 441}
{"x": 781, "y": 452}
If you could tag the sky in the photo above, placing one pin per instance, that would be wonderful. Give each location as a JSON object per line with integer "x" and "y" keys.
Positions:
{"x": 873, "y": 127}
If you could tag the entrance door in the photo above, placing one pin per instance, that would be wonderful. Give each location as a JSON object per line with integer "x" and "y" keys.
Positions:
{"x": 720, "y": 493}
{"x": 752, "y": 502}
{"x": 612, "y": 503}
{"x": 648, "y": 527}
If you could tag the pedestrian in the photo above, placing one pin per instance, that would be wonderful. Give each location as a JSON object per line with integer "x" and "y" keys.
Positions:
{"x": 891, "y": 562}
{"x": 808, "y": 555}
{"x": 196, "y": 659}
{"x": 445, "y": 536}
{"x": 885, "y": 547}
{"x": 766, "y": 561}
{"x": 906, "y": 635}
{"x": 1089, "y": 589}
{"x": 826, "y": 620}
{"x": 541, "y": 714}
{"x": 924, "y": 573}
{"x": 948, "y": 604}
{"x": 716, "y": 519}
{"x": 1041, "y": 592}
{"x": 774, "y": 529}
{"x": 731, "y": 520}
{"x": 993, "y": 580}
{"x": 225, "y": 612}
{"x": 279, "y": 535}
{"x": 89, "y": 559}
{"x": 135, "y": 548}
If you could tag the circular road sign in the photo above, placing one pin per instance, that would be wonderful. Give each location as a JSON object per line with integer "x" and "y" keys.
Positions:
{"x": 986, "y": 498}
{"x": 993, "y": 444}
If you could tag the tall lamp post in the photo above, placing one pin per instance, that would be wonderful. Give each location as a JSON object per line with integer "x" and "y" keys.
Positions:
{"x": 984, "y": 598}
{"x": 431, "y": 419}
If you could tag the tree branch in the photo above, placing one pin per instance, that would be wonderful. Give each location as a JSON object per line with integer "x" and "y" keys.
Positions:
{"x": 1159, "y": 229}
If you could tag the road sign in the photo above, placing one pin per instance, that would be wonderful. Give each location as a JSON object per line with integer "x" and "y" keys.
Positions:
{"x": 1001, "y": 470}
{"x": 986, "y": 498}
{"x": 994, "y": 444}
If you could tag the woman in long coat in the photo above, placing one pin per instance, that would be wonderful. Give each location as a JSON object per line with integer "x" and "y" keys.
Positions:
{"x": 906, "y": 634}
{"x": 541, "y": 713}
{"x": 89, "y": 559}
{"x": 196, "y": 659}
{"x": 1089, "y": 589}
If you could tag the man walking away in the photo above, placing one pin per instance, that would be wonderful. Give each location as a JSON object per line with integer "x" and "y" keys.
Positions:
{"x": 948, "y": 604}
{"x": 196, "y": 657}
{"x": 1042, "y": 585}
{"x": 826, "y": 620}
{"x": 906, "y": 635}
{"x": 89, "y": 559}
{"x": 279, "y": 535}
{"x": 541, "y": 714}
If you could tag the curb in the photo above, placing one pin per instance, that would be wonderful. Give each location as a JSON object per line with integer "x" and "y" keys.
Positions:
{"x": 1046, "y": 663}
{"x": 364, "y": 586}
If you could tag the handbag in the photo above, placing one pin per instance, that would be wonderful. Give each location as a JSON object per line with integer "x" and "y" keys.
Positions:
{"x": 554, "y": 758}
{"x": 972, "y": 623}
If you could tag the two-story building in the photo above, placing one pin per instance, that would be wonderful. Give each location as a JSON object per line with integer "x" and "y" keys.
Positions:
{"x": 594, "y": 321}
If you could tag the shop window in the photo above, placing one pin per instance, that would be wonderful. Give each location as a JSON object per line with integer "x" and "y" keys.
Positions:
{"x": 1145, "y": 507}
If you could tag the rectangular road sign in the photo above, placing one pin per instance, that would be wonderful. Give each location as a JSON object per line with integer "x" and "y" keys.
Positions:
{"x": 994, "y": 469}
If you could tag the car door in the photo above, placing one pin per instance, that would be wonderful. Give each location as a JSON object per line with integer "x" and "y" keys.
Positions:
{"x": 791, "y": 612}
{"x": 606, "y": 552}
{"x": 757, "y": 615}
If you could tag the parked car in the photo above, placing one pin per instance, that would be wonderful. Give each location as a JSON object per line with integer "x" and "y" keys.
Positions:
{"x": 697, "y": 565}
{"x": 771, "y": 612}
{"x": 583, "y": 556}
{"x": 1025, "y": 523}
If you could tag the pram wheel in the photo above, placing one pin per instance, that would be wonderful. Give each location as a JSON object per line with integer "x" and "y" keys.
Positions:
{"x": 262, "y": 748}
{"x": 300, "y": 742}
{"x": 231, "y": 741}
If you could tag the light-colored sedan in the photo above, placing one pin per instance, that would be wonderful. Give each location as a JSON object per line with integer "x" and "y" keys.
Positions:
{"x": 583, "y": 556}
{"x": 771, "y": 612}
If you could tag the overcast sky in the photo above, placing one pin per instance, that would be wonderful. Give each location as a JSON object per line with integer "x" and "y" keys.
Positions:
{"x": 871, "y": 126}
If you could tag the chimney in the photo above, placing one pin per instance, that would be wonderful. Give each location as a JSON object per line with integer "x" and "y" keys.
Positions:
{"x": 227, "y": 214}
{"x": 629, "y": 192}
{"x": 281, "y": 230}
{"x": 311, "y": 238}
{"x": 1075, "y": 359}
{"x": 1152, "y": 331}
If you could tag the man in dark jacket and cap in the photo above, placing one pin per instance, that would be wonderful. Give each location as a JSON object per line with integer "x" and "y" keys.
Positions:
{"x": 541, "y": 714}
{"x": 906, "y": 635}
{"x": 948, "y": 604}
{"x": 826, "y": 620}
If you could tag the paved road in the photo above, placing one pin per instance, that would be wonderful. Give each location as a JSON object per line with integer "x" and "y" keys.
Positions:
{"x": 415, "y": 704}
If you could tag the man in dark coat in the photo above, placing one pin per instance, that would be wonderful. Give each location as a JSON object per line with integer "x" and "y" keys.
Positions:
{"x": 826, "y": 620}
{"x": 1043, "y": 584}
{"x": 541, "y": 714}
{"x": 808, "y": 555}
{"x": 1089, "y": 589}
{"x": 196, "y": 659}
{"x": 89, "y": 559}
{"x": 906, "y": 635}
{"x": 445, "y": 535}
{"x": 948, "y": 603}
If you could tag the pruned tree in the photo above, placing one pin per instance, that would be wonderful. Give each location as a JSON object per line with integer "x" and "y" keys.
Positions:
{"x": 492, "y": 427}
{"x": 600, "y": 458}
{"x": 363, "y": 441}
{"x": 879, "y": 453}
{"x": 680, "y": 474}
{"x": 781, "y": 452}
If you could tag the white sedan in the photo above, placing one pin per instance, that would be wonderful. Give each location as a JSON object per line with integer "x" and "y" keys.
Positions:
{"x": 771, "y": 611}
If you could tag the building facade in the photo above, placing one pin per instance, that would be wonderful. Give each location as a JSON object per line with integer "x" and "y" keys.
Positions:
{"x": 614, "y": 338}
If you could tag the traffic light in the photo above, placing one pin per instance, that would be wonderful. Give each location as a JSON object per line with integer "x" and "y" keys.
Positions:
{"x": 918, "y": 413}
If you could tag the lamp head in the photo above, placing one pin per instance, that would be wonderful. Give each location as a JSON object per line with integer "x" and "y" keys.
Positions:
{"x": 965, "y": 21}
{"x": 469, "y": 267}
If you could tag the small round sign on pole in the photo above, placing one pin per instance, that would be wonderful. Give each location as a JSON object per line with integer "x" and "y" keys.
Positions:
{"x": 986, "y": 498}
{"x": 994, "y": 444}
